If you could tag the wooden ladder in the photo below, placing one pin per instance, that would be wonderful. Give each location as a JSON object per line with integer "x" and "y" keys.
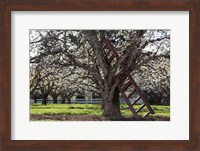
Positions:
{"x": 126, "y": 83}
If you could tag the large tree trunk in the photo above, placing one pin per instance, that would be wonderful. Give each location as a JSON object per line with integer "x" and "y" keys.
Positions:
{"x": 44, "y": 101}
{"x": 55, "y": 100}
{"x": 35, "y": 100}
{"x": 111, "y": 104}
{"x": 63, "y": 100}
{"x": 69, "y": 100}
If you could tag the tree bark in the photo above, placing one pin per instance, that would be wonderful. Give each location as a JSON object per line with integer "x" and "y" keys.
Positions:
{"x": 111, "y": 105}
{"x": 35, "y": 100}
{"x": 63, "y": 100}
{"x": 55, "y": 100}
{"x": 69, "y": 100}
{"x": 44, "y": 101}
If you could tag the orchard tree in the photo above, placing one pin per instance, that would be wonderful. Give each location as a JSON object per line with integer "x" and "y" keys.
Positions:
{"x": 37, "y": 77}
{"x": 45, "y": 87}
{"x": 154, "y": 81}
{"x": 82, "y": 49}
{"x": 59, "y": 81}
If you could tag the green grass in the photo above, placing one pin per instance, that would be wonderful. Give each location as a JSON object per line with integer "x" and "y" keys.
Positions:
{"x": 90, "y": 109}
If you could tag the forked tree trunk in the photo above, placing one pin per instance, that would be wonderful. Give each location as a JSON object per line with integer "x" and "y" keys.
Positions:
{"x": 111, "y": 105}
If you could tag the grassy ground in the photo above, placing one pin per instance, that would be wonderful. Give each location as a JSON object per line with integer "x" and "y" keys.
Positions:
{"x": 90, "y": 109}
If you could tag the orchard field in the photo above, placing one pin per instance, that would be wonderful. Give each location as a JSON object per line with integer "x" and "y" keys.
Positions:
{"x": 90, "y": 112}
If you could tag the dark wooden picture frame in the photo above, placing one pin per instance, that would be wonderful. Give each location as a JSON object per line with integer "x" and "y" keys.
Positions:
{"x": 7, "y": 6}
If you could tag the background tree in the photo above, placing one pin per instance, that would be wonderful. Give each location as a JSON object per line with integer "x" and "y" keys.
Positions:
{"x": 37, "y": 77}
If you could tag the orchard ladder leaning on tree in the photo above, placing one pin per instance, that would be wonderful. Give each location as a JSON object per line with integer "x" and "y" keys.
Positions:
{"x": 125, "y": 80}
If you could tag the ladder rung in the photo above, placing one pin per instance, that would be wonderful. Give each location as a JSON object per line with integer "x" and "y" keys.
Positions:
{"x": 126, "y": 86}
{"x": 131, "y": 94}
{"x": 141, "y": 107}
{"x": 108, "y": 52}
{"x": 140, "y": 93}
{"x": 131, "y": 107}
{"x": 111, "y": 58}
{"x": 110, "y": 47}
{"x": 147, "y": 114}
{"x": 133, "y": 111}
{"x": 104, "y": 45}
{"x": 129, "y": 104}
{"x": 136, "y": 100}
